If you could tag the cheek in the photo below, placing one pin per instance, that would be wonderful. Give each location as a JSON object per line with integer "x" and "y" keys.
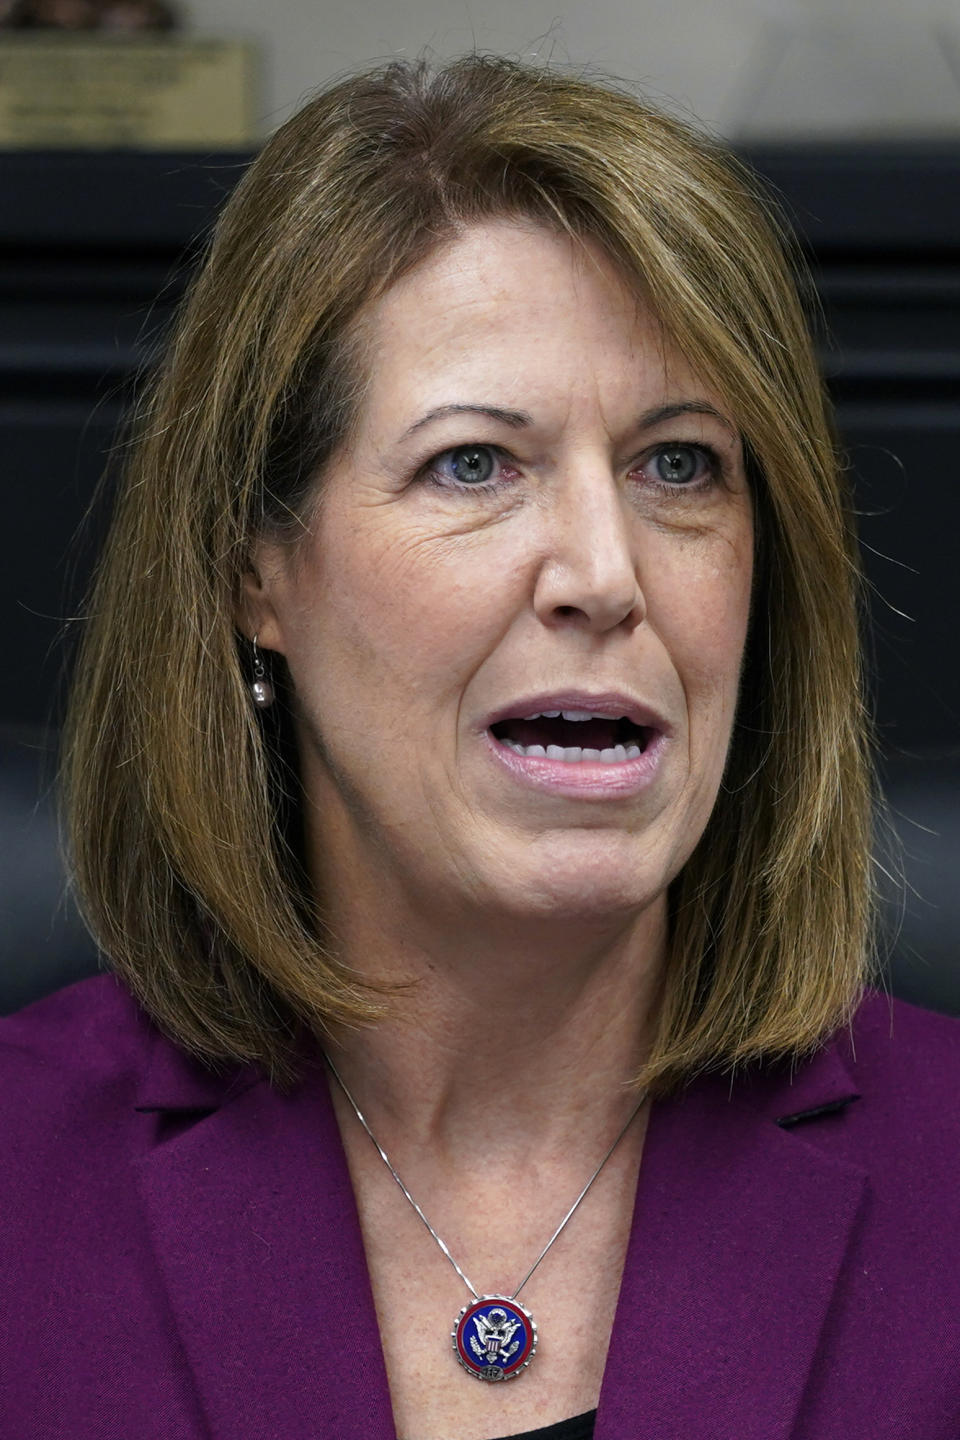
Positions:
{"x": 395, "y": 612}
{"x": 704, "y": 609}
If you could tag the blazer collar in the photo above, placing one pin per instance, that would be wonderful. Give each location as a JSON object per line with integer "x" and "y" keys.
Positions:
{"x": 173, "y": 1081}
{"x": 741, "y": 1223}
{"x": 252, "y": 1217}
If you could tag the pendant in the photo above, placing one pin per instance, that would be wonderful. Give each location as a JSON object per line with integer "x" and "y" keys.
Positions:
{"x": 494, "y": 1338}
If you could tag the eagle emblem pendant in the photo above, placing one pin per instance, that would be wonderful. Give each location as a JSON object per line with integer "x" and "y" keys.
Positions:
{"x": 494, "y": 1338}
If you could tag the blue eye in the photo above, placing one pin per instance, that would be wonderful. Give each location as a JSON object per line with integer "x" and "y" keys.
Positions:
{"x": 469, "y": 467}
{"x": 679, "y": 464}
{"x": 469, "y": 464}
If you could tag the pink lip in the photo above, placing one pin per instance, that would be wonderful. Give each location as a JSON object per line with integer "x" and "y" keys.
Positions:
{"x": 583, "y": 779}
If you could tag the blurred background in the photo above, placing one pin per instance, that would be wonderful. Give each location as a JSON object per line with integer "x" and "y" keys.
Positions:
{"x": 124, "y": 124}
{"x": 798, "y": 67}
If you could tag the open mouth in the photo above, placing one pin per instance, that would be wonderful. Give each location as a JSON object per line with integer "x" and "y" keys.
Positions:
{"x": 574, "y": 736}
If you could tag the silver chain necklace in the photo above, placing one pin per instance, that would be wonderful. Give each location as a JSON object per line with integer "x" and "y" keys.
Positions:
{"x": 494, "y": 1337}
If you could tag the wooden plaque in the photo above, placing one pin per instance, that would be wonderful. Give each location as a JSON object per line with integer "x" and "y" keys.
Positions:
{"x": 144, "y": 92}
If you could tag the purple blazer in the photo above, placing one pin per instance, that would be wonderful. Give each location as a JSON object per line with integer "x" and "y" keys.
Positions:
{"x": 180, "y": 1256}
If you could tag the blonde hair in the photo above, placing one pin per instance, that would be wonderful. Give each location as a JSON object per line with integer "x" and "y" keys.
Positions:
{"x": 183, "y": 802}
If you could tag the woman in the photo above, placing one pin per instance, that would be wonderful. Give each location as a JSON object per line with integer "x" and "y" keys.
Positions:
{"x": 467, "y": 757}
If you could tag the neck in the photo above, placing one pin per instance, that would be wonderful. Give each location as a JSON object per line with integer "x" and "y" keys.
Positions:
{"x": 502, "y": 1033}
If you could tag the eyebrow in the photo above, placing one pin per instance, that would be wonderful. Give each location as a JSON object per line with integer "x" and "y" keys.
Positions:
{"x": 517, "y": 419}
{"x": 688, "y": 407}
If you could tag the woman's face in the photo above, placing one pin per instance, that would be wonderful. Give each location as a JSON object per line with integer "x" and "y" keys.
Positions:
{"x": 542, "y": 510}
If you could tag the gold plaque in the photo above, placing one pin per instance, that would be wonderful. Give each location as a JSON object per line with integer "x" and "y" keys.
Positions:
{"x": 150, "y": 92}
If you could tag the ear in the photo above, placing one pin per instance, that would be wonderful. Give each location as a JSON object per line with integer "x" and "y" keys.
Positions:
{"x": 257, "y": 612}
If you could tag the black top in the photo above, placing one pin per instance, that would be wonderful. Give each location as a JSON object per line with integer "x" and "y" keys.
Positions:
{"x": 579, "y": 1428}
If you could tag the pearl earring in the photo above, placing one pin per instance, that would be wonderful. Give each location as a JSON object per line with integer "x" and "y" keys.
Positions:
{"x": 260, "y": 688}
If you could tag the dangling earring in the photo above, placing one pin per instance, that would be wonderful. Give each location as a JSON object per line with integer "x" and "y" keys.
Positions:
{"x": 260, "y": 687}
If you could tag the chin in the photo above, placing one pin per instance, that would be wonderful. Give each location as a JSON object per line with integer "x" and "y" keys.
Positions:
{"x": 574, "y": 887}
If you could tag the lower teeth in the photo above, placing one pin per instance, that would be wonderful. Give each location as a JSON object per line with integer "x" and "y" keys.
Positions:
{"x": 575, "y": 754}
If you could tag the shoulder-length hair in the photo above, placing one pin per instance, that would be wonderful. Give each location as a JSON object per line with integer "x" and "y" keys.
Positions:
{"x": 183, "y": 801}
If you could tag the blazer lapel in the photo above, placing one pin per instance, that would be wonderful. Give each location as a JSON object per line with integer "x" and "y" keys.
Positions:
{"x": 741, "y": 1224}
{"x": 252, "y": 1216}
{"x": 740, "y": 1228}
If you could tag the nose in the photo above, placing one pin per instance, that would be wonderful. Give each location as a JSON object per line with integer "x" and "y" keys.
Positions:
{"x": 589, "y": 574}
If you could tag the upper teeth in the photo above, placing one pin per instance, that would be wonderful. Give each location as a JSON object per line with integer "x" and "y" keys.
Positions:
{"x": 567, "y": 715}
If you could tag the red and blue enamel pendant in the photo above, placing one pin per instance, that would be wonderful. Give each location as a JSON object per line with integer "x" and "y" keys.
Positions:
{"x": 494, "y": 1338}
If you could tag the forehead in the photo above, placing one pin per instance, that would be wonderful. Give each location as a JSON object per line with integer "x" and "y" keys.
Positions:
{"x": 512, "y": 262}
{"x": 530, "y": 312}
